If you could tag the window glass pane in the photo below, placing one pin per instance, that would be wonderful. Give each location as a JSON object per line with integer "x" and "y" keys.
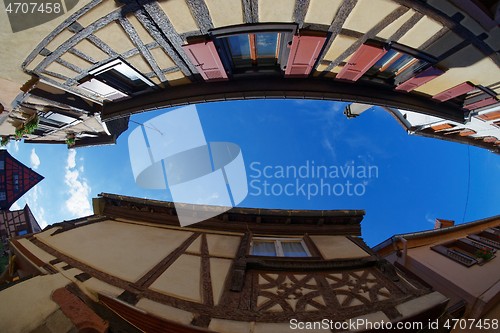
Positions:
{"x": 261, "y": 248}
{"x": 390, "y": 56}
{"x": 2, "y": 165}
{"x": 239, "y": 47}
{"x": 51, "y": 123}
{"x": 293, "y": 249}
{"x": 2, "y": 196}
{"x": 22, "y": 232}
{"x": 266, "y": 44}
{"x": 400, "y": 63}
{"x": 121, "y": 81}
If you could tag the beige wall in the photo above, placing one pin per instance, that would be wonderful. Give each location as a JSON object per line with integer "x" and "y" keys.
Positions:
{"x": 30, "y": 302}
{"x": 478, "y": 285}
{"x": 115, "y": 248}
{"x": 338, "y": 247}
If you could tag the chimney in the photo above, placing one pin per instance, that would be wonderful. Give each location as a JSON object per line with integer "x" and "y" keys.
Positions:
{"x": 441, "y": 223}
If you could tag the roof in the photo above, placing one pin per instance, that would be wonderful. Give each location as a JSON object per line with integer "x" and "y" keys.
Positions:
{"x": 345, "y": 222}
{"x": 436, "y": 232}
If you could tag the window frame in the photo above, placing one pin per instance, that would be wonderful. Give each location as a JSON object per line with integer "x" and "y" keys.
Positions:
{"x": 278, "y": 246}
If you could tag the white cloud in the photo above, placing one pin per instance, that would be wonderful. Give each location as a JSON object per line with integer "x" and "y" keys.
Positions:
{"x": 13, "y": 147}
{"x": 429, "y": 217}
{"x": 71, "y": 162}
{"x": 34, "y": 159}
{"x": 78, "y": 202}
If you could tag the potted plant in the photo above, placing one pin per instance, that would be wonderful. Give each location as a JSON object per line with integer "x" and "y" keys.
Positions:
{"x": 484, "y": 254}
{"x": 31, "y": 125}
{"x": 70, "y": 140}
{"x": 27, "y": 128}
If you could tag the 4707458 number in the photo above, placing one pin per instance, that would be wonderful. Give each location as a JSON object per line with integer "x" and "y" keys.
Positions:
{"x": 486, "y": 323}
{"x": 33, "y": 8}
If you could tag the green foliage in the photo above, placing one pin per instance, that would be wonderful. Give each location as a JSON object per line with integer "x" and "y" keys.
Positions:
{"x": 5, "y": 141}
{"x": 27, "y": 128}
{"x": 70, "y": 142}
{"x": 484, "y": 253}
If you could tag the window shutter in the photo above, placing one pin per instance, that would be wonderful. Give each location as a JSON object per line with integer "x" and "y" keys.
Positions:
{"x": 305, "y": 50}
{"x": 420, "y": 79}
{"x": 461, "y": 89}
{"x": 205, "y": 58}
{"x": 480, "y": 104}
{"x": 490, "y": 116}
{"x": 442, "y": 127}
{"x": 364, "y": 58}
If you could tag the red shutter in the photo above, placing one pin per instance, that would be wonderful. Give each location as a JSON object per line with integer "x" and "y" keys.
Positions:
{"x": 442, "y": 127}
{"x": 479, "y": 104}
{"x": 419, "y": 79}
{"x": 364, "y": 58}
{"x": 461, "y": 89}
{"x": 305, "y": 50}
{"x": 205, "y": 58}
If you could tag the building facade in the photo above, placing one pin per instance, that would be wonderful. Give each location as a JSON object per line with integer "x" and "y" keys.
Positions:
{"x": 17, "y": 223}
{"x": 247, "y": 270}
{"x": 105, "y": 60}
{"x": 458, "y": 261}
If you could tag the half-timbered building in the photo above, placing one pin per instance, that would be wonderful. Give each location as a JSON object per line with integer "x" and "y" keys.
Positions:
{"x": 247, "y": 270}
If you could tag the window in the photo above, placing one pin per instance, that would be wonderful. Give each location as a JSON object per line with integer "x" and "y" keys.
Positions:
{"x": 15, "y": 182}
{"x": 2, "y": 165}
{"x": 249, "y": 50}
{"x": 22, "y": 232}
{"x": 466, "y": 251}
{"x": 3, "y": 197}
{"x": 489, "y": 237}
{"x": 116, "y": 80}
{"x": 401, "y": 64}
{"x": 394, "y": 63}
{"x": 279, "y": 247}
{"x": 259, "y": 48}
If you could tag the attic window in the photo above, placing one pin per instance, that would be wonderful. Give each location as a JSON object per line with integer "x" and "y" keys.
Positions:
{"x": 279, "y": 247}
{"x": 116, "y": 80}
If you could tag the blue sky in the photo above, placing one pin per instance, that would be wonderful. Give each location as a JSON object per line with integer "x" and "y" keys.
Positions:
{"x": 417, "y": 179}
